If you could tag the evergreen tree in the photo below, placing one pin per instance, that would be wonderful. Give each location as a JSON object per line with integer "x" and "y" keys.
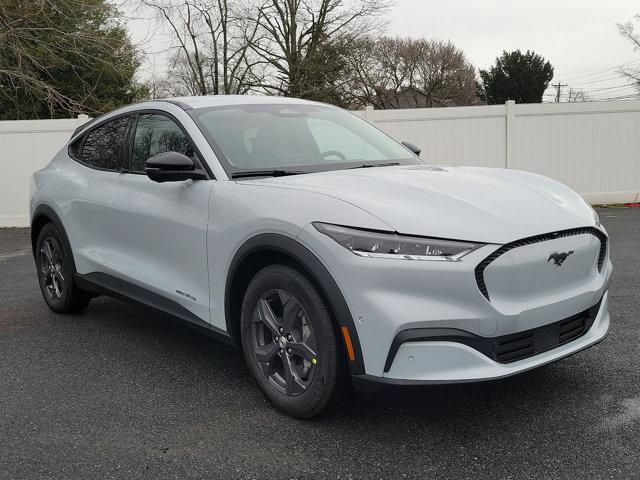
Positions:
{"x": 515, "y": 76}
{"x": 59, "y": 58}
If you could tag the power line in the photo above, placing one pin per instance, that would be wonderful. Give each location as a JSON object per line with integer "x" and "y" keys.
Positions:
{"x": 594, "y": 95}
{"x": 624, "y": 97}
{"x": 598, "y": 81}
{"x": 608, "y": 99}
{"x": 590, "y": 73}
{"x": 587, "y": 79}
{"x": 610, "y": 88}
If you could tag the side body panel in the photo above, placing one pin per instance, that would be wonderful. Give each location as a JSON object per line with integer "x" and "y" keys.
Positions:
{"x": 125, "y": 225}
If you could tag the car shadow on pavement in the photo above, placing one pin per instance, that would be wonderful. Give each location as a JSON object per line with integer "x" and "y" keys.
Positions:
{"x": 180, "y": 351}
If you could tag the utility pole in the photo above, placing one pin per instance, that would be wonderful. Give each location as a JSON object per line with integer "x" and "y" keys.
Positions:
{"x": 558, "y": 86}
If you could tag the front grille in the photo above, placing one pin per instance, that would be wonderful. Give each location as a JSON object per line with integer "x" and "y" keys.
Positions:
{"x": 479, "y": 270}
{"x": 521, "y": 345}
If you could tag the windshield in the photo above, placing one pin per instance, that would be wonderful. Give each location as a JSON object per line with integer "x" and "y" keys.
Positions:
{"x": 301, "y": 138}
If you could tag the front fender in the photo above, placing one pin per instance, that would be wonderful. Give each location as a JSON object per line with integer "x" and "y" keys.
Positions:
{"x": 319, "y": 275}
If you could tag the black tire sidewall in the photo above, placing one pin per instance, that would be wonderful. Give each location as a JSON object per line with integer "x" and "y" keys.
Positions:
{"x": 63, "y": 303}
{"x": 318, "y": 394}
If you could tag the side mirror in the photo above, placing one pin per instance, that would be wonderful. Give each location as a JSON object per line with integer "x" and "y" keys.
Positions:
{"x": 414, "y": 148}
{"x": 170, "y": 167}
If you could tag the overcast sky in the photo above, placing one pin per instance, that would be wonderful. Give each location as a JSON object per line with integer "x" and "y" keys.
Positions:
{"x": 578, "y": 37}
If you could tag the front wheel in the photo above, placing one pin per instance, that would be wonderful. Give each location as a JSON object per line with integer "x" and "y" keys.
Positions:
{"x": 290, "y": 343}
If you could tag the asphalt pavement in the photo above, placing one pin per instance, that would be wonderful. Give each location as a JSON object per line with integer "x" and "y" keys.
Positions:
{"x": 122, "y": 392}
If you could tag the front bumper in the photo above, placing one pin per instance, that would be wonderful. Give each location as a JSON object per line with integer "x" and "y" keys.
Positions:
{"x": 442, "y": 362}
{"x": 388, "y": 297}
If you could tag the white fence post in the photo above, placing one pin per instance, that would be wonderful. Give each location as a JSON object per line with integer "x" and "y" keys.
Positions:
{"x": 82, "y": 119}
{"x": 510, "y": 107}
{"x": 368, "y": 110}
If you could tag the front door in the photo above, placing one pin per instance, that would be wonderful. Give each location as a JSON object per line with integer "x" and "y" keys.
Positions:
{"x": 162, "y": 232}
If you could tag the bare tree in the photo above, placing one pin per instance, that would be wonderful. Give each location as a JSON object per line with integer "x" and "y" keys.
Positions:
{"x": 55, "y": 56}
{"x": 211, "y": 53}
{"x": 409, "y": 73}
{"x": 628, "y": 31}
{"x": 576, "y": 96}
{"x": 19, "y": 65}
{"x": 378, "y": 70}
{"x": 444, "y": 74}
{"x": 179, "y": 80}
{"x": 294, "y": 35}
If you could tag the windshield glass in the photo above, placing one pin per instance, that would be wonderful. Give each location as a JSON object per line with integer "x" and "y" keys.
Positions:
{"x": 304, "y": 138}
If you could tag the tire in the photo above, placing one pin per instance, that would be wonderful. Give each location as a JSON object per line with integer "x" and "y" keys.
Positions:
{"x": 282, "y": 312}
{"x": 55, "y": 273}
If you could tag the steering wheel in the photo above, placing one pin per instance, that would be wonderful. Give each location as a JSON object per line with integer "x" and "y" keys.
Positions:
{"x": 336, "y": 153}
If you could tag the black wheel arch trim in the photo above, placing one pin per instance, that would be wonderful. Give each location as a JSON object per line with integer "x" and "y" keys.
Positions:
{"x": 47, "y": 212}
{"x": 320, "y": 277}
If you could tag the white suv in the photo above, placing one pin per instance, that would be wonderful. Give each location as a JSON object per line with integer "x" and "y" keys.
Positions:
{"x": 324, "y": 249}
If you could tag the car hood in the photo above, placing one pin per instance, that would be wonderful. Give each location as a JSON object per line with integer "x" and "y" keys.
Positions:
{"x": 465, "y": 203}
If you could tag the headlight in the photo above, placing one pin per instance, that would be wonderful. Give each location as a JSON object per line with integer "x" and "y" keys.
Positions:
{"x": 390, "y": 245}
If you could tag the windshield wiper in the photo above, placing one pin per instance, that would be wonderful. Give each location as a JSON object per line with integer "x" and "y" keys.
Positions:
{"x": 265, "y": 173}
{"x": 364, "y": 165}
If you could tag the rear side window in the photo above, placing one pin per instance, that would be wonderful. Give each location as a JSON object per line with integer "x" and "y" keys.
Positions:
{"x": 75, "y": 149}
{"x": 103, "y": 145}
{"x": 157, "y": 134}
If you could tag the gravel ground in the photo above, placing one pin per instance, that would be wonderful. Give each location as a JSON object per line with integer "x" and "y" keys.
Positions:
{"x": 121, "y": 392}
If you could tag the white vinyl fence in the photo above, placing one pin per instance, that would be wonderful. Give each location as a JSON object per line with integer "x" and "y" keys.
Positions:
{"x": 27, "y": 146}
{"x": 592, "y": 147}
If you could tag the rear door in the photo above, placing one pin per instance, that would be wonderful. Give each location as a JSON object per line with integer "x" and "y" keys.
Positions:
{"x": 161, "y": 231}
{"x": 92, "y": 184}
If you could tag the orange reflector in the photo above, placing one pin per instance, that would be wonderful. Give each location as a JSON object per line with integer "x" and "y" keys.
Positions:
{"x": 347, "y": 340}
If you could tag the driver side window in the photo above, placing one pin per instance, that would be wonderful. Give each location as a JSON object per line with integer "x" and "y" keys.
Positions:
{"x": 156, "y": 134}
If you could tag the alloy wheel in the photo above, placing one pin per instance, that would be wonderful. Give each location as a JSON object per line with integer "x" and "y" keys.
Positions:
{"x": 284, "y": 342}
{"x": 51, "y": 270}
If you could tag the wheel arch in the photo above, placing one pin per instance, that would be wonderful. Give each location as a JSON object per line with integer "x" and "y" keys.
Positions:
{"x": 42, "y": 215}
{"x": 269, "y": 248}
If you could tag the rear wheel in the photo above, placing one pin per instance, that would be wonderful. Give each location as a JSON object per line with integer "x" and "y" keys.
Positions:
{"x": 55, "y": 274}
{"x": 290, "y": 343}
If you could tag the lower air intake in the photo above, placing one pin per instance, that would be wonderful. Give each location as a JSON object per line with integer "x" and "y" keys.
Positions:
{"x": 518, "y": 346}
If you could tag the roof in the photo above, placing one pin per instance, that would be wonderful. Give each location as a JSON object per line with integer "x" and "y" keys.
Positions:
{"x": 205, "y": 101}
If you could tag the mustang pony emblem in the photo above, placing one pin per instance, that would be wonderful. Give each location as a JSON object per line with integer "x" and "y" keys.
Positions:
{"x": 559, "y": 258}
